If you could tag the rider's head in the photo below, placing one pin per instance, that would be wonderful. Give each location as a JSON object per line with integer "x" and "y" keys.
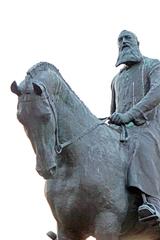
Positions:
{"x": 128, "y": 45}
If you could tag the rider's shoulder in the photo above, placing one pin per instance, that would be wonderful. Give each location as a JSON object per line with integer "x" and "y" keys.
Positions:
{"x": 151, "y": 63}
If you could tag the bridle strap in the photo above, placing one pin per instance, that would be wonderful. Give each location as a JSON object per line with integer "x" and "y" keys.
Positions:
{"x": 53, "y": 108}
{"x": 60, "y": 146}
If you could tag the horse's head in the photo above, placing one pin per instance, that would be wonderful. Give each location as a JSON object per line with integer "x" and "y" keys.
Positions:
{"x": 36, "y": 111}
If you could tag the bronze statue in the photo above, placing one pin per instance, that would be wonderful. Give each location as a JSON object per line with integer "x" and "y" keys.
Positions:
{"x": 82, "y": 159}
{"x": 135, "y": 101}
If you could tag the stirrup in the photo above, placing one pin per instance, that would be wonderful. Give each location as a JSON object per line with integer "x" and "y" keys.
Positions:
{"x": 148, "y": 213}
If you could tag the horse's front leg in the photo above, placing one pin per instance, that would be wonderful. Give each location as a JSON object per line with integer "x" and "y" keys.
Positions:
{"x": 68, "y": 234}
{"x": 111, "y": 236}
{"x": 107, "y": 226}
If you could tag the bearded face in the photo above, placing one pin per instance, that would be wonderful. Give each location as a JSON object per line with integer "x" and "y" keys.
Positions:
{"x": 129, "y": 52}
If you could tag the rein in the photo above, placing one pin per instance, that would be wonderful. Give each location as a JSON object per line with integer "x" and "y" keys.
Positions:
{"x": 60, "y": 146}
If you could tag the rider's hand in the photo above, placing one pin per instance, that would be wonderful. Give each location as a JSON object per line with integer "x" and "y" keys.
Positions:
{"x": 120, "y": 118}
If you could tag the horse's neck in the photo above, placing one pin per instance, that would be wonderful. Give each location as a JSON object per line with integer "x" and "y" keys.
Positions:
{"x": 73, "y": 116}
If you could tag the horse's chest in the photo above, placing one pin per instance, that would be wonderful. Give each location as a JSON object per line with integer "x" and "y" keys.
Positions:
{"x": 63, "y": 193}
{"x": 69, "y": 200}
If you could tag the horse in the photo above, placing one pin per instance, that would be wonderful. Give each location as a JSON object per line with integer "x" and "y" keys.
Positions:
{"x": 81, "y": 159}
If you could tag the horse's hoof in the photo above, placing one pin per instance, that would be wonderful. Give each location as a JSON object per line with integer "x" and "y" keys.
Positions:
{"x": 52, "y": 235}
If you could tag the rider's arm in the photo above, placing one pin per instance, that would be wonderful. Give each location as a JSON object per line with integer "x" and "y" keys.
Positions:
{"x": 151, "y": 99}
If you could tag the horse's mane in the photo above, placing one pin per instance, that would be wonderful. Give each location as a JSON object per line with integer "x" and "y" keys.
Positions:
{"x": 44, "y": 66}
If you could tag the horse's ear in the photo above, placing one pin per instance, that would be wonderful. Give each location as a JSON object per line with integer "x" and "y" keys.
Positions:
{"x": 37, "y": 89}
{"x": 15, "y": 89}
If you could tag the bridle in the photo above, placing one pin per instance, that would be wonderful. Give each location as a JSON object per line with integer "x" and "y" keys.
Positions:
{"x": 60, "y": 146}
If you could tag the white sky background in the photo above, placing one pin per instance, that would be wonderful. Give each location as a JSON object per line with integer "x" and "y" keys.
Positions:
{"x": 80, "y": 38}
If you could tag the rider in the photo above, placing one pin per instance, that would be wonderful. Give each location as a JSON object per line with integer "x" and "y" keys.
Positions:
{"x": 135, "y": 102}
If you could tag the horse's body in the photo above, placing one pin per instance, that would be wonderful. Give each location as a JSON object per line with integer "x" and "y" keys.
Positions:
{"x": 85, "y": 184}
